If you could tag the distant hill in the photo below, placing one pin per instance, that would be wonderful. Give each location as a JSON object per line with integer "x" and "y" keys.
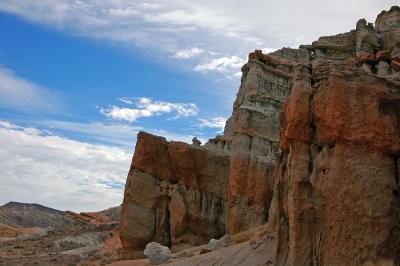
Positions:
{"x": 17, "y": 214}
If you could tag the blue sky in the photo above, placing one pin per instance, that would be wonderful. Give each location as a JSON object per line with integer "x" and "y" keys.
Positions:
{"x": 79, "y": 79}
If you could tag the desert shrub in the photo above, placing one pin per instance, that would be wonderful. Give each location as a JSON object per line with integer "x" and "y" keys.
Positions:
{"x": 241, "y": 237}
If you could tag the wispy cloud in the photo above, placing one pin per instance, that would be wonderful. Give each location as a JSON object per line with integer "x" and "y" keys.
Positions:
{"x": 59, "y": 172}
{"x": 185, "y": 54}
{"x": 146, "y": 107}
{"x": 222, "y": 64}
{"x": 19, "y": 93}
{"x": 216, "y": 122}
{"x": 121, "y": 135}
{"x": 126, "y": 100}
{"x": 220, "y": 26}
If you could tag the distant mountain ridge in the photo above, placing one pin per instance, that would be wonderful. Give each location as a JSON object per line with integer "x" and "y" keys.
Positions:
{"x": 17, "y": 214}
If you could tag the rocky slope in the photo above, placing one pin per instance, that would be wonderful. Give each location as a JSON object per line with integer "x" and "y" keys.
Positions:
{"x": 38, "y": 235}
{"x": 324, "y": 174}
{"x": 17, "y": 214}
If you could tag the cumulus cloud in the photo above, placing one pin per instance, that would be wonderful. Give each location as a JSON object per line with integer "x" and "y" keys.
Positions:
{"x": 221, "y": 64}
{"x": 216, "y": 122}
{"x": 185, "y": 54}
{"x": 146, "y": 107}
{"x": 59, "y": 172}
{"x": 22, "y": 94}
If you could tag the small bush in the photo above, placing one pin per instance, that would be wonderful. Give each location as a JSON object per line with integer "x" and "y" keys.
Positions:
{"x": 241, "y": 237}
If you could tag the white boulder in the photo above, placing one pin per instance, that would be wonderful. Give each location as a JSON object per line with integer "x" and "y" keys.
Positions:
{"x": 157, "y": 253}
{"x": 216, "y": 244}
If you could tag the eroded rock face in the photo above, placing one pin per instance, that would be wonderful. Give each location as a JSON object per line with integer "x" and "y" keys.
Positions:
{"x": 176, "y": 195}
{"x": 336, "y": 198}
{"x": 324, "y": 173}
{"x": 183, "y": 195}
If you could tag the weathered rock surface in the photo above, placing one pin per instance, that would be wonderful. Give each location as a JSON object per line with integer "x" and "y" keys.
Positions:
{"x": 175, "y": 195}
{"x": 336, "y": 198}
{"x": 324, "y": 173}
{"x": 183, "y": 195}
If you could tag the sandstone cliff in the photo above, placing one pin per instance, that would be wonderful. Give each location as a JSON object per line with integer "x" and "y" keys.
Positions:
{"x": 324, "y": 173}
{"x": 182, "y": 195}
{"x": 336, "y": 199}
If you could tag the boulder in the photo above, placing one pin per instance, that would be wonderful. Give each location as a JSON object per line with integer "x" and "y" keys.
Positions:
{"x": 157, "y": 253}
{"x": 216, "y": 244}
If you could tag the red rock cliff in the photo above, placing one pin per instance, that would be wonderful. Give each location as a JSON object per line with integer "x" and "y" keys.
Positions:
{"x": 336, "y": 198}
{"x": 324, "y": 173}
{"x": 182, "y": 195}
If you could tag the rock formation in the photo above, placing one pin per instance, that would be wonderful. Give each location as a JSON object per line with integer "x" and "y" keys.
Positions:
{"x": 176, "y": 194}
{"x": 336, "y": 197}
{"x": 183, "y": 195}
{"x": 58, "y": 238}
{"x": 324, "y": 173}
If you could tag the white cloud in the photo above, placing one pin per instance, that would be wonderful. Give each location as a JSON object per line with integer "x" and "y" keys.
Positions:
{"x": 127, "y": 114}
{"x": 267, "y": 50}
{"x": 40, "y": 166}
{"x": 185, "y": 54}
{"x": 59, "y": 172}
{"x": 150, "y": 5}
{"x": 22, "y": 94}
{"x": 123, "y": 12}
{"x": 6, "y": 124}
{"x": 284, "y": 22}
{"x": 225, "y": 27}
{"x": 221, "y": 64}
{"x": 146, "y": 107}
{"x": 216, "y": 122}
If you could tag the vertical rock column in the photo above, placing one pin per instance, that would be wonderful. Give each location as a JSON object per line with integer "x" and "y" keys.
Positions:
{"x": 254, "y": 131}
{"x": 336, "y": 197}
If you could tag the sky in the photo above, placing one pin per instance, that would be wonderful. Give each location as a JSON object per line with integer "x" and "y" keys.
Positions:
{"x": 79, "y": 80}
